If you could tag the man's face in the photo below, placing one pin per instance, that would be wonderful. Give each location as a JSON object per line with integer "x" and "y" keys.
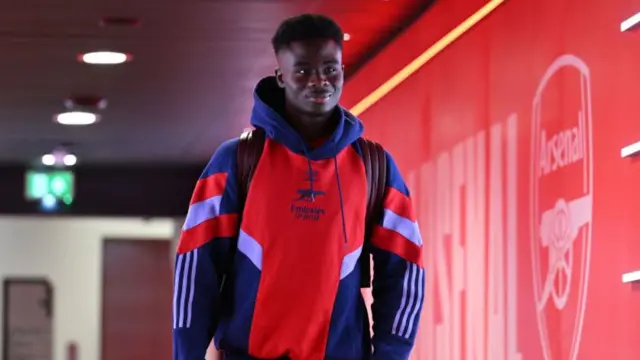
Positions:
{"x": 312, "y": 75}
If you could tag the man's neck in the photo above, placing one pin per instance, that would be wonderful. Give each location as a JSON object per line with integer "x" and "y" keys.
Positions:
{"x": 312, "y": 128}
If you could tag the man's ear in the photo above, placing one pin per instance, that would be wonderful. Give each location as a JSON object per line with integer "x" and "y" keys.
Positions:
{"x": 279, "y": 77}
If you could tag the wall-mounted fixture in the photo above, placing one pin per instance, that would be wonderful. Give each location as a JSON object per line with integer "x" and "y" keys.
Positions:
{"x": 631, "y": 276}
{"x": 60, "y": 157}
{"x": 630, "y": 150}
{"x": 630, "y": 23}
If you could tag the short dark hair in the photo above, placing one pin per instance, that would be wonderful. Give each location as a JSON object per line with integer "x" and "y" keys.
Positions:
{"x": 306, "y": 27}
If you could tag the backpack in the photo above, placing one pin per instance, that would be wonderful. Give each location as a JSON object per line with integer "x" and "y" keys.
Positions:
{"x": 250, "y": 149}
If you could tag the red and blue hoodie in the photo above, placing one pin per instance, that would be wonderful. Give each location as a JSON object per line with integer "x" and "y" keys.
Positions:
{"x": 292, "y": 290}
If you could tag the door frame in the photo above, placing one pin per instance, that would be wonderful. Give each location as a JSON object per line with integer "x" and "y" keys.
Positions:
{"x": 6, "y": 284}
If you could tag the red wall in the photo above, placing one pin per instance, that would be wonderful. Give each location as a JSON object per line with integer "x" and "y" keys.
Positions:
{"x": 512, "y": 152}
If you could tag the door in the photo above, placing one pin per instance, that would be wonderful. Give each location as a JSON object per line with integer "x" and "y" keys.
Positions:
{"x": 27, "y": 325}
{"x": 136, "y": 300}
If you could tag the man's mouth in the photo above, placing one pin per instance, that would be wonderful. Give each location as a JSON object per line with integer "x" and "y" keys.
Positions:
{"x": 320, "y": 98}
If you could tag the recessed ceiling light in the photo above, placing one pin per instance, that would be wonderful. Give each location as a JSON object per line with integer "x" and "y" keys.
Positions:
{"x": 76, "y": 118}
{"x": 104, "y": 58}
{"x": 347, "y": 37}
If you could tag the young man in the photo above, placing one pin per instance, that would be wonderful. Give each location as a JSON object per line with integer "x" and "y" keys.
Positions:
{"x": 292, "y": 289}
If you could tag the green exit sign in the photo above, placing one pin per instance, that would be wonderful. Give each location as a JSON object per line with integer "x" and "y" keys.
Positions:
{"x": 58, "y": 183}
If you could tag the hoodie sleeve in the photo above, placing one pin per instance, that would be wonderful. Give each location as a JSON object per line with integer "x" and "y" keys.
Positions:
{"x": 398, "y": 274}
{"x": 210, "y": 227}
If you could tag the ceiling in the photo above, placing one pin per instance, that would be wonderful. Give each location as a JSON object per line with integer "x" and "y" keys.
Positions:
{"x": 187, "y": 89}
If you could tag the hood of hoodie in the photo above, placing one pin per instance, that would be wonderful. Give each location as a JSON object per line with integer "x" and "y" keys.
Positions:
{"x": 268, "y": 97}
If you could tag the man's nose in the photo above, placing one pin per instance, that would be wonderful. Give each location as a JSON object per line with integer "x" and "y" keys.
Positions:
{"x": 317, "y": 79}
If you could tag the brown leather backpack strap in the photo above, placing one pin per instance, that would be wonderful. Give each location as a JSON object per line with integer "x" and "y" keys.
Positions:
{"x": 381, "y": 189}
{"x": 375, "y": 163}
{"x": 250, "y": 147}
{"x": 367, "y": 158}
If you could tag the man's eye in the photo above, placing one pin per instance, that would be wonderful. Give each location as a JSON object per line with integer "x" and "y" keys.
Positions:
{"x": 330, "y": 70}
{"x": 302, "y": 71}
